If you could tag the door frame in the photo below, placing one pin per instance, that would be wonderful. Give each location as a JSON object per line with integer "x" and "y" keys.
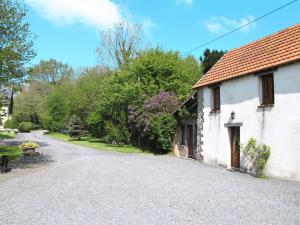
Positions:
{"x": 234, "y": 138}
{"x": 190, "y": 140}
{"x": 186, "y": 123}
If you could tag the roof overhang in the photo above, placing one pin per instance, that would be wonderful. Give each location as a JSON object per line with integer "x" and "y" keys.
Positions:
{"x": 188, "y": 102}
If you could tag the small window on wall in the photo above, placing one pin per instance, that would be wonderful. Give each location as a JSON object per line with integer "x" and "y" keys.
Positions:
{"x": 267, "y": 89}
{"x": 216, "y": 103}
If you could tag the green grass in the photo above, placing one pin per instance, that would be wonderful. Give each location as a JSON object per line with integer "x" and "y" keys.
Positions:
{"x": 7, "y": 135}
{"x": 95, "y": 143}
{"x": 11, "y": 151}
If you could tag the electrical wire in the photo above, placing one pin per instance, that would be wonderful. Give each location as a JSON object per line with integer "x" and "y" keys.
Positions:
{"x": 230, "y": 32}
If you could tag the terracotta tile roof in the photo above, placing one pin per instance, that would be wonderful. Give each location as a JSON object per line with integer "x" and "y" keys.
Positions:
{"x": 274, "y": 50}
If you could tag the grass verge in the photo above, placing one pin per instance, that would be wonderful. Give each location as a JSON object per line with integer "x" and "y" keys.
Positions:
{"x": 95, "y": 143}
{"x": 7, "y": 135}
{"x": 11, "y": 151}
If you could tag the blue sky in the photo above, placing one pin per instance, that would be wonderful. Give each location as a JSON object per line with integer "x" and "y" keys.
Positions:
{"x": 68, "y": 30}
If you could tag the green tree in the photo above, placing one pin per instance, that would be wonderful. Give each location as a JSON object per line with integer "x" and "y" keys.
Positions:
{"x": 104, "y": 100}
{"x": 210, "y": 58}
{"x": 45, "y": 77}
{"x": 50, "y": 71}
{"x": 28, "y": 103}
{"x": 155, "y": 70}
{"x": 83, "y": 97}
{"x": 76, "y": 128}
{"x": 151, "y": 72}
{"x": 16, "y": 41}
{"x": 56, "y": 108}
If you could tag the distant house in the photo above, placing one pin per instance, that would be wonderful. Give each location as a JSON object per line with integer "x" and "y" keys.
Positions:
{"x": 7, "y": 109}
{"x": 252, "y": 91}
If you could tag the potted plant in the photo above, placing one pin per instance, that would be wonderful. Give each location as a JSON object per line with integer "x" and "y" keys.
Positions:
{"x": 29, "y": 147}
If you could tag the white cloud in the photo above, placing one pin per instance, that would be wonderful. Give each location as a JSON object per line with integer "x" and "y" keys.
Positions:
{"x": 148, "y": 26}
{"x": 221, "y": 25}
{"x": 187, "y": 2}
{"x": 96, "y": 13}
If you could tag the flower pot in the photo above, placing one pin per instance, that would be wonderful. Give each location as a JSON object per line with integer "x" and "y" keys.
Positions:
{"x": 28, "y": 151}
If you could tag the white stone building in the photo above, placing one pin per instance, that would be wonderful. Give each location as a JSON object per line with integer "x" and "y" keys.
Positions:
{"x": 253, "y": 91}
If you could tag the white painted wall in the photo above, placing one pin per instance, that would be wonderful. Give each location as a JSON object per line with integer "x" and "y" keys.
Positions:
{"x": 277, "y": 126}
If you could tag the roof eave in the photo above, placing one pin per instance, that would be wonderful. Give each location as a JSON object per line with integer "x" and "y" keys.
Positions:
{"x": 196, "y": 87}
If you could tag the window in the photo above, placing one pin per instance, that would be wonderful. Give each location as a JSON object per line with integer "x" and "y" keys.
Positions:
{"x": 216, "y": 99}
{"x": 267, "y": 89}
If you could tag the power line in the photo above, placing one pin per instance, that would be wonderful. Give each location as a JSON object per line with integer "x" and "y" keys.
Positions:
{"x": 230, "y": 32}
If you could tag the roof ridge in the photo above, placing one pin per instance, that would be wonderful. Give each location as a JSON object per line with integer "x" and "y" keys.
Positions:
{"x": 264, "y": 38}
{"x": 276, "y": 49}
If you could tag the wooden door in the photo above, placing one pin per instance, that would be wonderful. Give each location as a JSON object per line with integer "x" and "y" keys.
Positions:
{"x": 235, "y": 147}
{"x": 190, "y": 139}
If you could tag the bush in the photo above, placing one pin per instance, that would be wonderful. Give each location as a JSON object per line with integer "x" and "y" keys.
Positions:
{"x": 160, "y": 132}
{"x": 25, "y": 127}
{"x": 258, "y": 155}
{"x": 52, "y": 125}
{"x": 164, "y": 102}
{"x": 116, "y": 134}
{"x": 76, "y": 128}
{"x": 36, "y": 126}
{"x": 11, "y": 123}
{"x": 17, "y": 119}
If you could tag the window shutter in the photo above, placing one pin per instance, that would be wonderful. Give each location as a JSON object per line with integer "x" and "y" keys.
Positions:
{"x": 216, "y": 91}
{"x": 267, "y": 89}
{"x": 271, "y": 89}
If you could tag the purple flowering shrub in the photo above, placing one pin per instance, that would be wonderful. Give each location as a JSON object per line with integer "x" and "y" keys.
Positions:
{"x": 156, "y": 110}
{"x": 163, "y": 103}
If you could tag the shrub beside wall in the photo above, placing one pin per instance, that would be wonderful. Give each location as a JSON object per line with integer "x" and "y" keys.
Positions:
{"x": 258, "y": 155}
{"x": 161, "y": 130}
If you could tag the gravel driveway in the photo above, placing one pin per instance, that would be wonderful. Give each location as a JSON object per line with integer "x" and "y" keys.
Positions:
{"x": 84, "y": 186}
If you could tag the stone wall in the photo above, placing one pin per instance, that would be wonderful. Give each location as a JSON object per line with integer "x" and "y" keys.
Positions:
{"x": 176, "y": 141}
{"x": 180, "y": 150}
{"x": 200, "y": 121}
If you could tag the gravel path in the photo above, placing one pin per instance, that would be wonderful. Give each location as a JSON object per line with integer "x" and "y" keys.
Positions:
{"x": 79, "y": 185}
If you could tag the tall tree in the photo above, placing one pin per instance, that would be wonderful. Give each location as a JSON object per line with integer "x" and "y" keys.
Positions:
{"x": 50, "y": 71}
{"x": 44, "y": 79}
{"x": 210, "y": 58}
{"x": 120, "y": 44}
{"x": 16, "y": 41}
{"x": 155, "y": 70}
{"x": 29, "y": 101}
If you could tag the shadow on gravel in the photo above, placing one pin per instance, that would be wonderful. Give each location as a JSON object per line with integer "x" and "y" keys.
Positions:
{"x": 25, "y": 162}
